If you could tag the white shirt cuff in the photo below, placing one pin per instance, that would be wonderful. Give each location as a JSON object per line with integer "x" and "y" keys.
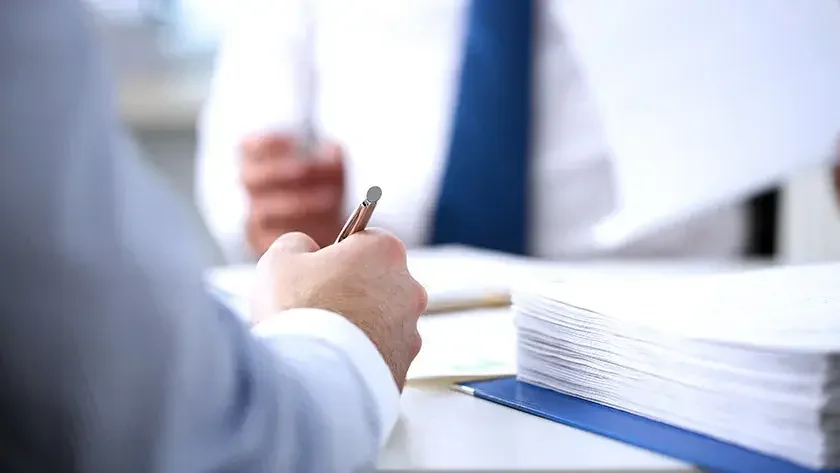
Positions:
{"x": 350, "y": 340}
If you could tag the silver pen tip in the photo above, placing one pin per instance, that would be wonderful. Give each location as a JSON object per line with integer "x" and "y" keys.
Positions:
{"x": 373, "y": 194}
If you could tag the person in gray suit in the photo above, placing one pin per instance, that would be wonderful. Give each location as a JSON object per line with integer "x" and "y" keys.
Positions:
{"x": 113, "y": 358}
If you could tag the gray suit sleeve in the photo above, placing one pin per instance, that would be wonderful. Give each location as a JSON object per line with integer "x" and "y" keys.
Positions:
{"x": 112, "y": 357}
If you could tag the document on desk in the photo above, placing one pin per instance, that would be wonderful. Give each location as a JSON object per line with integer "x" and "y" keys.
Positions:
{"x": 463, "y": 346}
{"x": 705, "y": 102}
{"x": 460, "y": 346}
{"x": 749, "y": 358}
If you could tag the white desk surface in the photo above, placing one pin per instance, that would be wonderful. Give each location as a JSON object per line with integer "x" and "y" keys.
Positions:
{"x": 445, "y": 430}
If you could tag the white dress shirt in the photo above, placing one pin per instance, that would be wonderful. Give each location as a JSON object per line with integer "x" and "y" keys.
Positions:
{"x": 387, "y": 74}
{"x": 320, "y": 338}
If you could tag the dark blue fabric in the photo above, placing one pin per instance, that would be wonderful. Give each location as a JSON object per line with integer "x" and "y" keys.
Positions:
{"x": 483, "y": 200}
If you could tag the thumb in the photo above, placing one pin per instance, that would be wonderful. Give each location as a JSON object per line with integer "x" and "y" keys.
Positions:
{"x": 262, "y": 291}
{"x": 292, "y": 243}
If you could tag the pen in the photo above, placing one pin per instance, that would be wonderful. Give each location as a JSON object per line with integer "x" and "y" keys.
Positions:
{"x": 360, "y": 218}
{"x": 486, "y": 301}
{"x": 308, "y": 139}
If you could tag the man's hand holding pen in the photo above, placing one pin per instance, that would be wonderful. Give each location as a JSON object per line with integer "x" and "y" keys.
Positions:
{"x": 288, "y": 192}
{"x": 363, "y": 277}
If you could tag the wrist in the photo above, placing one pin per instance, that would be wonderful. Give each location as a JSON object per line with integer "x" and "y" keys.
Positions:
{"x": 340, "y": 334}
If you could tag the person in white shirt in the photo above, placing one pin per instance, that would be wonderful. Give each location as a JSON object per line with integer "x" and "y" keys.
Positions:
{"x": 471, "y": 116}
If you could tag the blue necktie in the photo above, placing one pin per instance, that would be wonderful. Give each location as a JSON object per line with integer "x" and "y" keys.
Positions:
{"x": 483, "y": 200}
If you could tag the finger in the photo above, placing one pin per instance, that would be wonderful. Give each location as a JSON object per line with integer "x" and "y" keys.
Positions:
{"x": 293, "y": 243}
{"x": 422, "y": 296}
{"x": 388, "y": 245}
{"x": 286, "y": 171}
{"x": 380, "y": 244}
{"x": 266, "y": 145}
{"x": 413, "y": 341}
{"x": 273, "y": 172}
{"x": 327, "y": 165}
{"x": 265, "y": 158}
{"x": 282, "y": 205}
{"x": 330, "y": 153}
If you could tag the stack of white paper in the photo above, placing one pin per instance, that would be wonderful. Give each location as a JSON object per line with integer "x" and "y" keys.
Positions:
{"x": 751, "y": 358}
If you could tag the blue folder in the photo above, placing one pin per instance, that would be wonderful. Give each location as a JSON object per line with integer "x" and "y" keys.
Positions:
{"x": 690, "y": 447}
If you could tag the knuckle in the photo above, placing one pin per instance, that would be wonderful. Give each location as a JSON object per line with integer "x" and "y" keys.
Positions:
{"x": 294, "y": 236}
{"x": 289, "y": 239}
{"x": 294, "y": 242}
{"x": 302, "y": 238}
{"x": 421, "y": 297}
{"x": 416, "y": 343}
{"x": 391, "y": 246}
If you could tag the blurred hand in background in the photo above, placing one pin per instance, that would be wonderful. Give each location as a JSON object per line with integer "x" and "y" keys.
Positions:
{"x": 290, "y": 192}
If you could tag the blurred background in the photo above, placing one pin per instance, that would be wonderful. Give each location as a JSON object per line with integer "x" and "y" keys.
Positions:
{"x": 162, "y": 53}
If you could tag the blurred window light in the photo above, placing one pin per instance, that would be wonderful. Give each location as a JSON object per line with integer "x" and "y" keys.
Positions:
{"x": 184, "y": 26}
{"x": 200, "y": 22}
{"x": 131, "y": 11}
